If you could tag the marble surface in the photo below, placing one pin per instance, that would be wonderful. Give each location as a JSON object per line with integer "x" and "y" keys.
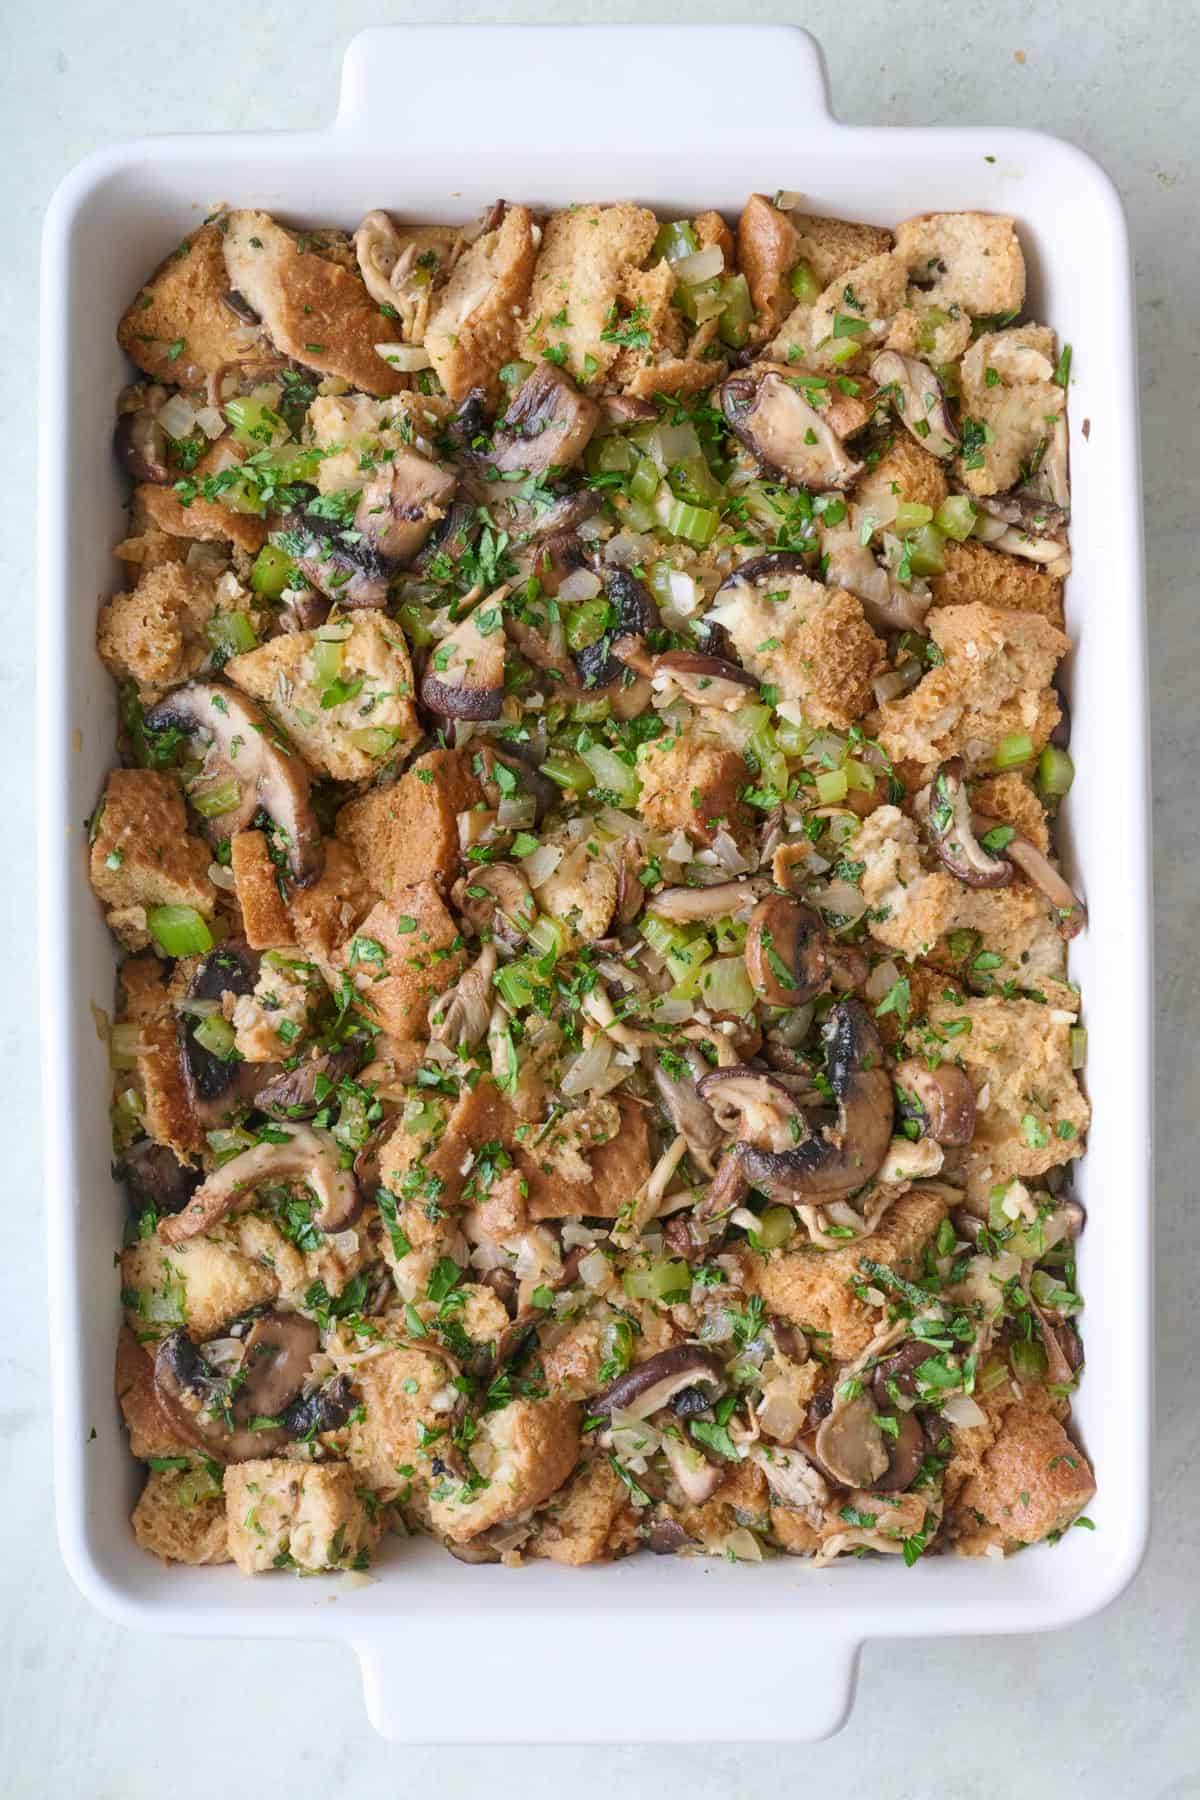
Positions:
{"x": 1105, "y": 1710}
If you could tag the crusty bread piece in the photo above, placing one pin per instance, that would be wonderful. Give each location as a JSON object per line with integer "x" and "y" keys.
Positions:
{"x": 967, "y": 259}
{"x": 171, "y": 1525}
{"x": 178, "y": 328}
{"x": 587, "y": 254}
{"x": 975, "y": 575}
{"x": 472, "y": 330}
{"x": 407, "y": 831}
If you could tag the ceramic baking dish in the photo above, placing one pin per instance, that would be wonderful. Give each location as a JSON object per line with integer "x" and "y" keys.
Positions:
{"x": 434, "y": 122}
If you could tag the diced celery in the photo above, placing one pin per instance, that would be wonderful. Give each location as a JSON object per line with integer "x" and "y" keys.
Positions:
{"x": 662, "y": 936}
{"x": 179, "y": 930}
{"x": 737, "y": 312}
{"x": 1056, "y": 771}
{"x": 375, "y": 740}
{"x": 585, "y": 622}
{"x": 611, "y": 455}
{"x": 612, "y": 773}
{"x": 1013, "y": 750}
{"x": 272, "y": 572}
{"x": 221, "y": 797}
{"x": 928, "y": 329}
{"x": 515, "y": 982}
{"x": 910, "y": 516}
{"x": 414, "y": 622}
{"x": 216, "y": 1035}
{"x": 548, "y": 936}
{"x": 675, "y": 240}
{"x": 844, "y": 351}
{"x": 705, "y": 300}
{"x": 255, "y": 424}
{"x": 725, "y": 986}
{"x": 692, "y": 479}
{"x": 925, "y": 547}
{"x": 514, "y": 373}
{"x": 955, "y": 517}
{"x": 1028, "y": 1359}
{"x": 684, "y": 966}
{"x": 1078, "y": 1046}
{"x": 730, "y": 936}
{"x": 231, "y": 633}
{"x": 125, "y": 1119}
{"x": 775, "y": 1228}
{"x": 593, "y": 710}
{"x": 832, "y": 786}
{"x": 991, "y": 1375}
{"x": 328, "y": 655}
{"x": 228, "y": 1141}
{"x": 698, "y": 524}
{"x": 792, "y": 739}
{"x": 568, "y": 771}
{"x": 639, "y": 515}
{"x": 658, "y": 1281}
{"x": 860, "y": 775}
{"x": 643, "y": 483}
{"x": 804, "y": 283}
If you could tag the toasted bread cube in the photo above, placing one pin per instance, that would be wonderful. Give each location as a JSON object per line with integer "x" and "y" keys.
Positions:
{"x": 297, "y": 1515}
{"x": 265, "y": 919}
{"x": 1013, "y": 800}
{"x": 177, "y": 1528}
{"x": 142, "y": 852}
{"x": 815, "y": 1289}
{"x": 417, "y": 1170}
{"x": 648, "y": 294}
{"x": 975, "y": 575}
{"x": 1017, "y": 1053}
{"x": 154, "y": 634}
{"x": 1034, "y": 1480}
{"x": 405, "y": 952}
{"x": 871, "y": 294}
{"x": 408, "y": 831}
{"x": 904, "y": 473}
{"x": 1008, "y": 388}
{"x": 525, "y": 1451}
{"x": 832, "y": 247}
{"x": 179, "y": 329}
{"x": 335, "y": 736}
{"x": 328, "y": 912}
{"x": 581, "y": 284}
{"x": 676, "y": 375}
{"x": 768, "y": 249}
{"x": 909, "y": 908}
{"x": 589, "y": 1520}
{"x": 810, "y": 641}
{"x": 616, "y": 1168}
{"x": 929, "y": 332}
{"x": 993, "y": 682}
{"x": 152, "y": 1429}
{"x": 710, "y": 228}
{"x": 202, "y": 1284}
{"x": 693, "y": 784}
{"x": 398, "y": 1387}
{"x": 581, "y": 893}
{"x": 167, "y": 1111}
{"x": 472, "y": 329}
{"x": 355, "y": 432}
{"x": 206, "y": 521}
{"x": 314, "y": 310}
{"x": 967, "y": 259}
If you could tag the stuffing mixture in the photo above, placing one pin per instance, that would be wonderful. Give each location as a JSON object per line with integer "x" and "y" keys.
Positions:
{"x": 594, "y": 1063}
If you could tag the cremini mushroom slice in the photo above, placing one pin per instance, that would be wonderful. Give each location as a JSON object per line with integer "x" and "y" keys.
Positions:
{"x": 401, "y": 505}
{"x": 278, "y": 1349}
{"x": 141, "y": 442}
{"x": 464, "y": 678}
{"x": 767, "y": 411}
{"x": 940, "y": 1101}
{"x": 247, "y": 755}
{"x": 496, "y": 897}
{"x": 888, "y": 604}
{"x": 843, "y": 1158}
{"x": 293, "y": 1095}
{"x": 723, "y": 898}
{"x": 307, "y": 1156}
{"x": 703, "y": 680}
{"x": 953, "y": 834}
{"x": 199, "y": 1401}
{"x": 850, "y": 1444}
{"x": 548, "y": 425}
{"x": 906, "y": 1161}
{"x": 754, "y": 1105}
{"x": 652, "y": 1384}
{"x": 786, "y": 951}
{"x": 1070, "y": 914}
{"x": 919, "y": 399}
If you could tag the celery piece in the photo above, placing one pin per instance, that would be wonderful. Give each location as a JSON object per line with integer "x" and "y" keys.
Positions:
{"x": 686, "y": 964}
{"x": 568, "y": 771}
{"x": 585, "y": 622}
{"x": 776, "y": 1226}
{"x": 643, "y": 483}
{"x": 255, "y": 424}
{"x": 658, "y": 1280}
{"x": 692, "y": 479}
{"x": 216, "y": 1035}
{"x": 698, "y": 524}
{"x": 124, "y": 1041}
{"x": 548, "y": 936}
{"x": 725, "y": 986}
{"x": 611, "y": 773}
{"x": 675, "y": 240}
{"x": 804, "y": 284}
{"x": 663, "y": 936}
{"x": 230, "y": 634}
{"x": 514, "y": 373}
{"x": 414, "y": 622}
{"x": 273, "y": 571}
{"x": 1028, "y": 1360}
{"x": 328, "y": 655}
{"x": 737, "y": 312}
{"x": 591, "y": 711}
{"x": 1078, "y": 1046}
{"x": 955, "y": 517}
{"x": 179, "y": 930}
{"x": 375, "y": 740}
{"x": 611, "y": 455}
{"x": 832, "y": 786}
{"x": 925, "y": 548}
{"x": 211, "y": 802}
{"x": 910, "y": 516}
{"x": 1013, "y": 750}
{"x": 514, "y": 982}
{"x": 705, "y": 300}
{"x": 1056, "y": 771}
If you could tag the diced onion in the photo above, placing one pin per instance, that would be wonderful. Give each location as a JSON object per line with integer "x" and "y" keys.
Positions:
{"x": 178, "y": 417}
{"x": 585, "y": 1070}
{"x": 743, "y": 1546}
{"x": 702, "y": 265}
{"x": 880, "y": 980}
{"x": 580, "y": 584}
{"x": 728, "y": 854}
{"x": 408, "y": 358}
{"x": 594, "y": 1270}
{"x": 576, "y": 1236}
{"x": 516, "y": 812}
{"x": 961, "y": 1410}
{"x": 629, "y": 547}
{"x": 988, "y": 529}
{"x": 541, "y": 863}
{"x": 210, "y": 422}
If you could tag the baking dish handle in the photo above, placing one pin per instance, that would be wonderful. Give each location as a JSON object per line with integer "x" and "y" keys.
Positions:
{"x": 517, "y": 90}
{"x": 605, "y": 1677}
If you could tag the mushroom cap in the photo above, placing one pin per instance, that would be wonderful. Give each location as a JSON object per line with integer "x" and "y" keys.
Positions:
{"x": 308, "y": 1156}
{"x": 941, "y": 1100}
{"x": 919, "y": 398}
{"x": 277, "y": 1351}
{"x": 953, "y": 835}
{"x": 637, "y": 613}
{"x": 755, "y": 1104}
{"x": 292, "y": 1095}
{"x": 652, "y": 1384}
{"x": 268, "y": 772}
{"x": 769, "y": 414}
{"x": 704, "y": 680}
{"x": 786, "y": 951}
{"x": 548, "y": 424}
{"x": 464, "y": 678}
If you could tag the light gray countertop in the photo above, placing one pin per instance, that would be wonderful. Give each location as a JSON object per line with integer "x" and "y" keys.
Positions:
{"x": 1105, "y": 1710}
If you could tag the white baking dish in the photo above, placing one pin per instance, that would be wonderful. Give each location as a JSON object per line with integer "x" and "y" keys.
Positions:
{"x": 434, "y": 122}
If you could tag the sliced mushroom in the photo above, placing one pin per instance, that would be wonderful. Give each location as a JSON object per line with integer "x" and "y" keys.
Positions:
{"x": 685, "y": 1108}
{"x": 558, "y": 557}
{"x": 231, "y": 969}
{"x": 919, "y": 398}
{"x": 905, "y": 1454}
{"x": 240, "y": 307}
{"x": 895, "y": 1375}
{"x": 1070, "y": 912}
{"x": 199, "y": 1400}
{"x": 685, "y": 904}
{"x": 400, "y": 506}
{"x": 326, "y": 1408}
{"x": 843, "y": 1157}
{"x": 668, "y": 1538}
{"x": 953, "y": 835}
{"x": 464, "y": 678}
{"x": 497, "y": 898}
{"x": 339, "y": 560}
{"x": 449, "y": 540}
{"x": 278, "y": 1349}
{"x": 767, "y": 411}
{"x": 786, "y": 951}
{"x": 698, "y": 1478}
{"x": 887, "y": 603}
{"x": 755, "y": 1106}
{"x": 597, "y": 664}
{"x": 155, "y": 1178}
{"x": 378, "y": 247}
{"x": 308, "y": 1156}
{"x": 941, "y": 1100}
{"x": 459, "y": 1017}
{"x": 548, "y": 425}
{"x": 246, "y": 746}
{"x": 1039, "y": 518}
{"x": 141, "y": 442}
{"x": 293, "y": 1095}
{"x": 770, "y": 570}
{"x": 703, "y": 680}
{"x": 850, "y": 1444}
{"x": 652, "y": 1384}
